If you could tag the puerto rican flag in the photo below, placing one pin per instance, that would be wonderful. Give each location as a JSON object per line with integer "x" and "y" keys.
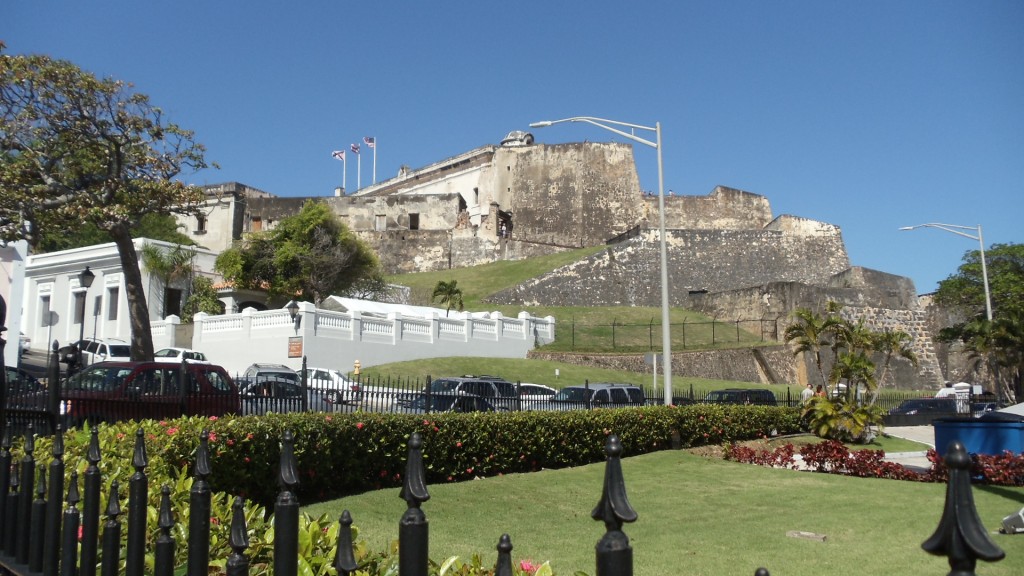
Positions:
{"x": 370, "y": 141}
{"x": 338, "y": 154}
{"x": 355, "y": 148}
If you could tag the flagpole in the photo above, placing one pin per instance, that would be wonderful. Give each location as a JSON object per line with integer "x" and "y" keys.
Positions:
{"x": 359, "y": 171}
{"x": 374, "y": 160}
{"x": 344, "y": 174}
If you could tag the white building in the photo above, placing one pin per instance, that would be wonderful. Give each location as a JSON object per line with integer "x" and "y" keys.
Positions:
{"x": 12, "y": 283}
{"x": 57, "y": 307}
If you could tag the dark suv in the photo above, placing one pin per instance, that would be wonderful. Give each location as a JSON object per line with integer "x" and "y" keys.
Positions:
{"x": 595, "y": 395}
{"x": 500, "y": 393}
{"x": 111, "y": 391}
{"x": 742, "y": 396}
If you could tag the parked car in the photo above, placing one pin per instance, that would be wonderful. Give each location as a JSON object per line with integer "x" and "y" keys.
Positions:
{"x": 336, "y": 386}
{"x": 742, "y": 396}
{"x": 24, "y": 342}
{"x": 500, "y": 393}
{"x": 177, "y": 354}
{"x": 595, "y": 395}
{"x": 20, "y": 382}
{"x": 460, "y": 403}
{"x": 535, "y": 392}
{"x": 273, "y": 394}
{"x": 979, "y": 409}
{"x": 926, "y": 406}
{"x": 110, "y": 391}
{"x": 95, "y": 350}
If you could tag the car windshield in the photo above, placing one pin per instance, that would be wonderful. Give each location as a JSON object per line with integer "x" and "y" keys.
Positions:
{"x": 120, "y": 350}
{"x": 441, "y": 386}
{"x": 166, "y": 353}
{"x": 437, "y": 403}
{"x": 98, "y": 379}
{"x": 290, "y": 376}
{"x": 571, "y": 395}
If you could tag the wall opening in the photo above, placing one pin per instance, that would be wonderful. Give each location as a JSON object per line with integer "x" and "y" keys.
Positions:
{"x": 414, "y": 221}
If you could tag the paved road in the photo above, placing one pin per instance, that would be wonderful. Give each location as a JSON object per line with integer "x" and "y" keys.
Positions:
{"x": 914, "y": 460}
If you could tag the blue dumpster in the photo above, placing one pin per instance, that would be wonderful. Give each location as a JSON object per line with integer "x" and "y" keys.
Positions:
{"x": 980, "y": 435}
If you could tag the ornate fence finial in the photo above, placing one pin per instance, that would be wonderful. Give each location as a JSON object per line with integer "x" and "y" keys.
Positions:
{"x": 614, "y": 554}
{"x": 413, "y": 528}
{"x": 961, "y": 536}
{"x": 57, "y": 450}
{"x": 237, "y": 563}
{"x": 344, "y": 559}
{"x": 504, "y": 564}
{"x": 139, "y": 458}
{"x": 165, "y": 545}
{"x": 113, "y": 503}
{"x": 414, "y": 485}
{"x": 92, "y": 454}
{"x": 288, "y": 476}
{"x": 761, "y": 572}
{"x": 202, "y": 467}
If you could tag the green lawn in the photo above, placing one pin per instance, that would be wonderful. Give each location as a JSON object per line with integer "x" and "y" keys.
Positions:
{"x": 696, "y": 517}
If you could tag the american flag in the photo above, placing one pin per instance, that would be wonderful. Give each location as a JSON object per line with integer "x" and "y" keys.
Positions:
{"x": 339, "y": 154}
{"x": 370, "y": 141}
{"x": 355, "y": 148}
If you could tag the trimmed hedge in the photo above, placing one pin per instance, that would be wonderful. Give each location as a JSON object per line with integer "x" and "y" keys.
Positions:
{"x": 340, "y": 454}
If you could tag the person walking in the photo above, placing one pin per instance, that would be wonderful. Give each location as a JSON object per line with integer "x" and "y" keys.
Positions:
{"x": 806, "y": 394}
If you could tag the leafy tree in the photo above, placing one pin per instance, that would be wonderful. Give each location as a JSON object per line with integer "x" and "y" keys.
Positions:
{"x": 79, "y": 150}
{"x": 309, "y": 256}
{"x": 203, "y": 298}
{"x": 153, "y": 226}
{"x": 450, "y": 295}
{"x": 808, "y": 333}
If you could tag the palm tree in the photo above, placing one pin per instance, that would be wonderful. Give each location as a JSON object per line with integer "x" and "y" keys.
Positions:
{"x": 892, "y": 343}
{"x": 809, "y": 333}
{"x": 450, "y": 295}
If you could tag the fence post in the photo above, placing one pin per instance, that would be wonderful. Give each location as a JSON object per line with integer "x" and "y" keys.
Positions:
{"x": 960, "y": 535}
{"x": 199, "y": 512}
{"x": 11, "y": 513}
{"x": 112, "y": 534}
{"x": 28, "y": 481}
{"x": 614, "y": 554}
{"x": 37, "y": 525}
{"x": 286, "y": 512}
{"x": 344, "y": 559}
{"x": 69, "y": 538}
{"x": 53, "y": 515}
{"x": 138, "y": 507}
{"x": 5, "y": 479}
{"x": 413, "y": 528}
{"x": 91, "y": 505}
{"x": 163, "y": 562}
{"x": 504, "y": 565}
{"x": 238, "y": 564}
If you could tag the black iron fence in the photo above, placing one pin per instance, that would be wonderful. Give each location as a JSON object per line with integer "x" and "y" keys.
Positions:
{"x": 39, "y": 536}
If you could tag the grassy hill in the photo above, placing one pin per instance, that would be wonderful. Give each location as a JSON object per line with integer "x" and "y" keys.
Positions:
{"x": 588, "y": 329}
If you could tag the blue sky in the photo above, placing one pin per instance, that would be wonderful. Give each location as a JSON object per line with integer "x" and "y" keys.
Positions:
{"x": 869, "y": 115}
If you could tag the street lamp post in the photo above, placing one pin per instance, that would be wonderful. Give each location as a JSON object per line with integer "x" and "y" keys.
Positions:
{"x": 958, "y": 230}
{"x": 85, "y": 279}
{"x": 666, "y": 330}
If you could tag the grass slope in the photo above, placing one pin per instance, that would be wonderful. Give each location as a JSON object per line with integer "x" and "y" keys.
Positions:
{"x": 696, "y": 517}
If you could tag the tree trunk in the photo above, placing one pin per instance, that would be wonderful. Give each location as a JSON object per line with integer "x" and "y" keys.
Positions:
{"x": 138, "y": 310}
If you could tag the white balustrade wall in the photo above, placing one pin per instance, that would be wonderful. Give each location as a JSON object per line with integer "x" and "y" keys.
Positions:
{"x": 336, "y": 340}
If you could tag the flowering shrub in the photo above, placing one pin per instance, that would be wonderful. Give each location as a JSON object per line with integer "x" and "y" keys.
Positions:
{"x": 833, "y": 457}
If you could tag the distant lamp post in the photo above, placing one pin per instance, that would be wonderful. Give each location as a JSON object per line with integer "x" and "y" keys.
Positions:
{"x": 293, "y": 311}
{"x": 956, "y": 229}
{"x": 85, "y": 278}
{"x": 666, "y": 330}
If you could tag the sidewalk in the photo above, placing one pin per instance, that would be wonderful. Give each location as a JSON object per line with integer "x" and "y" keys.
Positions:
{"x": 914, "y": 460}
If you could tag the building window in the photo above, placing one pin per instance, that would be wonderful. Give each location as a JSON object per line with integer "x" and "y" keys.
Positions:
{"x": 200, "y": 224}
{"x": 112, "y": 297}
{"x": 414, "y": 221}
{"x": 44, "y": 311}
{"x": 79, "y": 306}
{"x": 380, "y": 223}
{"x": 172, "y": 302}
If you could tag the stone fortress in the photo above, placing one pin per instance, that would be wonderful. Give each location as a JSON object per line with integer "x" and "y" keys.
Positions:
{"x": 729, "y": 256}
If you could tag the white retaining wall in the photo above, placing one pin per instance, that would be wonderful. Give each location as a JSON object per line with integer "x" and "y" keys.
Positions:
{"x": 337, "y": 339}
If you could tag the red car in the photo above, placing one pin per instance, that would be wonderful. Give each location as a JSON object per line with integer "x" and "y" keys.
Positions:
{"x": 111, "y": 391}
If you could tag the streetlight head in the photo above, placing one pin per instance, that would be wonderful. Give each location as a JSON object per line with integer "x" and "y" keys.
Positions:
{"x": 86, "y": 277}
{"x": 907, "y": 227}
{"x": 293, "y": 308}
{"x": 541, "y": 124}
